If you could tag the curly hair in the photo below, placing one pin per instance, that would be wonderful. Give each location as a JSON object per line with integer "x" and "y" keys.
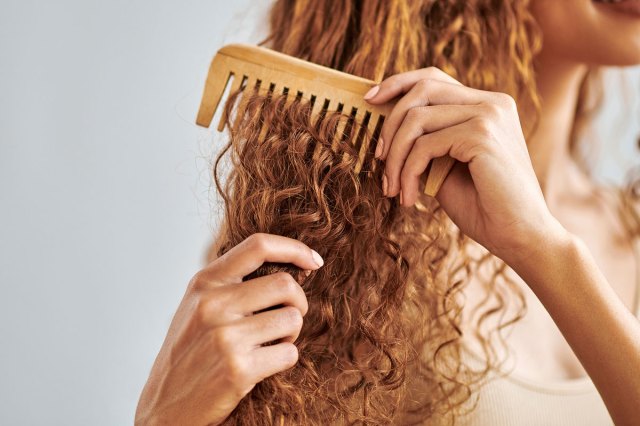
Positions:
{"x": 382, "y": 340}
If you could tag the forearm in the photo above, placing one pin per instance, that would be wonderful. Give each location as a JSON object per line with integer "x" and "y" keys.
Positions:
{"x": 602, "y": 332}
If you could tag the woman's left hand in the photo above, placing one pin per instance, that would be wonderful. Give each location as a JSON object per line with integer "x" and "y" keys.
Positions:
{"x": 492, "y": 193}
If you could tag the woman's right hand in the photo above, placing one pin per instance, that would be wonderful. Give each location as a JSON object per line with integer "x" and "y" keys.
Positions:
{"x": 213, "y": 354}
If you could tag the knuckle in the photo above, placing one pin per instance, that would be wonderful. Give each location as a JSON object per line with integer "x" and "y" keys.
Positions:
{"x": 432, "y": 71}
{"x": 285, "y": 282}
{"x": 292, "y": 317}
{"x": 506, "y": 100}
{"x": 223, "y": 339}
{"x": 237, "y": 369}
{"x": 482, "y": 127}
{"x": 413, "y": 114}
{"x": 206, "y": 308}
{"x": 392, "y": 83}
{"x": 258, "y": 241}
{"x": 423, "y": 84}
{"x": 199, "y": 280}
{"x": 424, "y": 87}
{"x": 290, "y": 354}
{"x": 491, "y": 110}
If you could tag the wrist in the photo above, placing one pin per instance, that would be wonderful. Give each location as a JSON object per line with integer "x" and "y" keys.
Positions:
{"x": 541, "y": 247}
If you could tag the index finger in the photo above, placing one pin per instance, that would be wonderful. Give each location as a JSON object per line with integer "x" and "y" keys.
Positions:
{"x": 259, "y": 248}
{"x": 401, "y": 83}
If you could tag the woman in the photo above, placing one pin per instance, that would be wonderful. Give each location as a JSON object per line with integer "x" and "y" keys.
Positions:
{"x": 525, "y": 199}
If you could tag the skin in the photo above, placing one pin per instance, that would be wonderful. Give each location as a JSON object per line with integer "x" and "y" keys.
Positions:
{"x": 212, "y": 355}
{"x": 561, "y": 65}
{"x": 575, "y": 306}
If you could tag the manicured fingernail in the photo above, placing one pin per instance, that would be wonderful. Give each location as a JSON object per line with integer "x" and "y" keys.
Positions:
{"x": 371, "y": 93}
{"x": 317, "y": 258}
{"x": 379, "y": 147}
{"x": 401, "y": 198}
{"x": 384, "y": 185}
{"x": 307, "y": 272}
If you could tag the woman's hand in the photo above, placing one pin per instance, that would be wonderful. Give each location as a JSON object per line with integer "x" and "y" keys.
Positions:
{"x": 213, "y": 354}
{"x": 492, "y": 194}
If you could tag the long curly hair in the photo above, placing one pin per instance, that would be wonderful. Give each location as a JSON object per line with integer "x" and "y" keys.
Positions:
{"x": 382, "y": 340}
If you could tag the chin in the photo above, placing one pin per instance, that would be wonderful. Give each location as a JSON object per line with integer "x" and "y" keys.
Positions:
{"x": 594, "y": 32}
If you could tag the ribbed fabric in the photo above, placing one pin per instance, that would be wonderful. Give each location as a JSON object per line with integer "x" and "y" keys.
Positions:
{"x": 512, "y": 400}
{"x": 516, "y": 401}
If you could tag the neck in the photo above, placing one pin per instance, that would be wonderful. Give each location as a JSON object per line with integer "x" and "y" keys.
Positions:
{"x": 559, "y": 86}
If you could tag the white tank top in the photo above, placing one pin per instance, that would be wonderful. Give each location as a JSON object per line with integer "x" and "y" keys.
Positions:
{"x": 513, "y": 400}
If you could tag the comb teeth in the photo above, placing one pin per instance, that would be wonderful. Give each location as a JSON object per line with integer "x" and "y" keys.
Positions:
{"x": 339, "y": 135}
{"x": 318, "y": 104}
{"x": 235, "y": 86}
{"x": 250, "y": 63}
{"x": 375, "y": 126}
{"x": 365, "y": 143}
{"x": 269, "y": 91}
{"x": 326, "y": 87}
{"x": 353, "y": 128}
{"x": 251, "y": 86}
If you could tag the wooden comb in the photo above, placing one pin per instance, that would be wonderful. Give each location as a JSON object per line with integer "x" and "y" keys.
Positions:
{"x": 326, "y": 88}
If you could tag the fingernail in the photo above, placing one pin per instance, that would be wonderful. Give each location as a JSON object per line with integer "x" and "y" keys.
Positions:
{"x": 384, "y": 185}
{"x": 371, "y": 93}
{"x": 379, "y": 147}
{"x": 317, "y": 258}
{"x": 400, "y": 197}
{"x": 307, "y": 272}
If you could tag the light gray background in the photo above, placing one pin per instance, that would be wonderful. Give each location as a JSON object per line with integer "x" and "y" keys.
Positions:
{"x": 105, "y": 201}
